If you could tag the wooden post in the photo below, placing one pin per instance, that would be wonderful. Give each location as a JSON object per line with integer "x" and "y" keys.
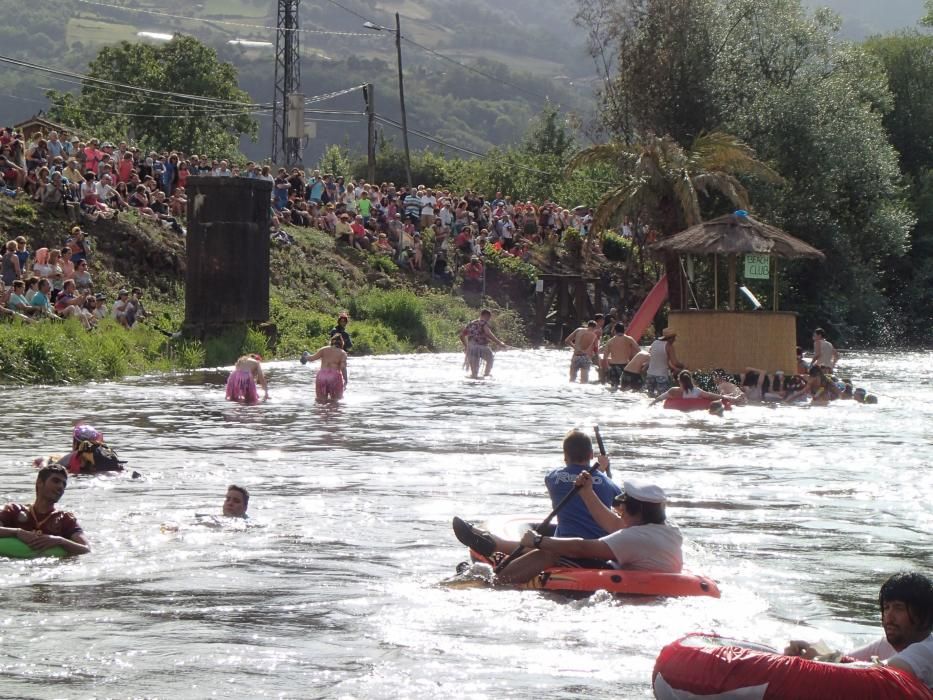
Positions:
{"x": 774, "y": 293}
{"x": 732, "y": 282}
{"x": 716, "y": 281}
{"x": 401, "y": 98}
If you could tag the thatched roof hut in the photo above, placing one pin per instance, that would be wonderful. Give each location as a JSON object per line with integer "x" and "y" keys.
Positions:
{"x": 736, "y": 234}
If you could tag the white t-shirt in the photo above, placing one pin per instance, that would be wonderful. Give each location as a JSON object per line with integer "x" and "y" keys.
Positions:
{"x": 647, "y": 548}
{"x": 427, "y": 205}
{"x": 880, "y": 647}
{"x": 919, "y": 656}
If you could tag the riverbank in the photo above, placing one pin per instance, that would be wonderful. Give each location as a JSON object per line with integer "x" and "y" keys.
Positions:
{"x": 312, "y": 280}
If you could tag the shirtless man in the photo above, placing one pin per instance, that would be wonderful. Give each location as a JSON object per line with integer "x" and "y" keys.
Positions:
{"x": 585, "y": 343}
{"x": 332, "y": 378}
{"x": 241, "y": 384}
{"x": 825, "y": 355}
{"x": 632, "y": 373}
{"x": 618, "y": 352}
{"x": 40, "y": 526}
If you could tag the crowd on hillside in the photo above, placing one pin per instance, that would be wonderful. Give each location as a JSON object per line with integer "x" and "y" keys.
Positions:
{"x": 53, "y": 283}
{"x": 95, "y": 179}
{"x": 423, "y": 229}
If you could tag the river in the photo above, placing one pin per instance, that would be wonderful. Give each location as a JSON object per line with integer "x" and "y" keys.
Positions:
{"x": 331, "y": 592}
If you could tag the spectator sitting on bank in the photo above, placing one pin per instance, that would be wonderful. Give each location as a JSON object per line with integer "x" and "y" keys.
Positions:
{"x": 64, "y": 262}
{"x": 360, "y": 237}
{"x": 91, "y": 204}
{"x": 17, "y": 300}
{"x": 121, "y": 307}
{"x": 136, "y": 301}
{"x": 78, "y": 244}
{"x": 82, "y": 278}
{"x": 473, "y": 275}
{"x": 68, "y": 303}
{"x": 382, "y": 245}
{"x": 342, "y": 230}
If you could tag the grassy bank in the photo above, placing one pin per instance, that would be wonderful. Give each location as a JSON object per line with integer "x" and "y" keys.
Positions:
{"x": 311, "y": 282}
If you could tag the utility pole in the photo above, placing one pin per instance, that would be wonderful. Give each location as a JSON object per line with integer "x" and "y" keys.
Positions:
{"x": 401, "y": 97}
{"x": 401, "y": 88}
{"x": 369, "y": 96}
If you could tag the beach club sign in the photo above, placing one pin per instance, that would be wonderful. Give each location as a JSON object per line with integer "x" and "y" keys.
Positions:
{"x": 757, "y": 267}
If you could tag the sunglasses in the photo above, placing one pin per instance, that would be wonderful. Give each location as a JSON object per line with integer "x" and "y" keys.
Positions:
{"x": 619, "y": 501}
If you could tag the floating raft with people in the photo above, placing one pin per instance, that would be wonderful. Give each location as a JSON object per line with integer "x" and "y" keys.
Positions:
{"x": 700, "y": 666}
{"x": 575, "y": 580}
{"x": 14, "y": 548}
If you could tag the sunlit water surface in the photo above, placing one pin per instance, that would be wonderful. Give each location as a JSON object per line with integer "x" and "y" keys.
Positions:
{"x": 332, "y": 590}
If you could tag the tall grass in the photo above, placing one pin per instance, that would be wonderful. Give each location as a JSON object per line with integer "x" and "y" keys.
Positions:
{"x": 54, "y": 353}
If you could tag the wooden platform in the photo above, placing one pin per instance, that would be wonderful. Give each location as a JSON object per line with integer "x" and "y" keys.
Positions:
{"x": 734, "y": 340}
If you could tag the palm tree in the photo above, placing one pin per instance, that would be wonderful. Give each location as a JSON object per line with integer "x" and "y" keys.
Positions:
{"x": 665, "y": 182}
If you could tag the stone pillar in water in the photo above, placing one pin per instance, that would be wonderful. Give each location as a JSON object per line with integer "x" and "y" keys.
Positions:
{"x": 227, "y": 279}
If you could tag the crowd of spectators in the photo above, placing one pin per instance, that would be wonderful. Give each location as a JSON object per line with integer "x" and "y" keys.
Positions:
{"x": 423, "y": 229}
{"x": 53, "y": 283}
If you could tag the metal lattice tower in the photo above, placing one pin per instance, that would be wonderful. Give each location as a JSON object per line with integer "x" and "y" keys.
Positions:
{"x": 286, "y": 150}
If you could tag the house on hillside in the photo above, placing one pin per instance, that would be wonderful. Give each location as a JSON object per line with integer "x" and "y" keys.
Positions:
{"x": 38, "y": 122}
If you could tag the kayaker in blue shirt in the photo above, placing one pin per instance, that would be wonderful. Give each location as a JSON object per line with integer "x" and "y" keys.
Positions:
{"x": 574, "y": 519}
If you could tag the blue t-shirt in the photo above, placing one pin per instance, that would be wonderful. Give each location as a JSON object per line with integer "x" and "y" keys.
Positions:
{"x": 574, "y": 519}
{"x": 315, "y": 190}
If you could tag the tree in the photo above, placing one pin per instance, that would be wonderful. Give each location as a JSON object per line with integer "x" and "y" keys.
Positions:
{"x": 664, "y": 183}
{"x": 165, "y": 112}
{"x": 775, "y": 75}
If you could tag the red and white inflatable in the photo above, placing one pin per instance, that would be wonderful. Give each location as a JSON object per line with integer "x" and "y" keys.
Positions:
{"x": 705, "y": 667}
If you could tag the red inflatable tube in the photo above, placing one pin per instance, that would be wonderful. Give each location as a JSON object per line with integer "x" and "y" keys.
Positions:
{"x": 698, "y": 404}
{"x": 698, "y": 666}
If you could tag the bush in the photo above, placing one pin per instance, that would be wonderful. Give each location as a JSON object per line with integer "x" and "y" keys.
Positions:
{"x": 572, "y": 242}
{"x": 399, "y": 309}
{"x": 510, "y": 267}
{"x": 616, "y": 247}
{"x": 374, "y": 338}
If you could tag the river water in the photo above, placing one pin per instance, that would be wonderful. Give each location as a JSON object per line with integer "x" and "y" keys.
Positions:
{"x": 331, "y": 592}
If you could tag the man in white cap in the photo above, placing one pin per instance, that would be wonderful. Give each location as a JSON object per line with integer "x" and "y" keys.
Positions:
{"x": 639, "y": 536}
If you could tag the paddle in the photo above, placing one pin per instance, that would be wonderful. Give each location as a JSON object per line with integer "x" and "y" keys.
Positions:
{"x": 602, "y": 449}
{"x": 564, "y": 501}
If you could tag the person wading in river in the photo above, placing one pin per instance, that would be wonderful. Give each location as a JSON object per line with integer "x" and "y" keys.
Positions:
{"x": 906, "y": 602}
{"x": 236, "y": 502}
{"x": 585, "y": 343}
{"x": 241, "y": 384}
{"x": 824, "y": 354}
{"x": 618, "y": 352}
{"x": 476, "y": 337}
{"x": 332, "y": 378}
{"x": 40, "y": 526}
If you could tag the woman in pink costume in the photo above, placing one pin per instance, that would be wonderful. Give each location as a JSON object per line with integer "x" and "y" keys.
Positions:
{"x": 332, "y": 377}
{"x": 241, "y": 384}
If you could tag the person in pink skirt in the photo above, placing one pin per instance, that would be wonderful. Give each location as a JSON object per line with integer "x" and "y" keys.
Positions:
{"x": 241, "y": 384}
{"x": 332, "y": 377}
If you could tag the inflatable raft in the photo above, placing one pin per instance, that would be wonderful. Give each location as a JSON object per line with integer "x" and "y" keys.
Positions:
{"x": 700, "y": 666}
{"x": 15, "y": 548}
{"x": 697, "y": 404}
{"x": 620, "y": 581}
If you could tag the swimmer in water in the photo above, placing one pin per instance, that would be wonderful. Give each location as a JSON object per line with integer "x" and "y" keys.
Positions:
{"x": 241, "y": 384}
{"x": 332, "y": 378}
{"x": 236, "y": 502}
{"x": 585, "y": 344}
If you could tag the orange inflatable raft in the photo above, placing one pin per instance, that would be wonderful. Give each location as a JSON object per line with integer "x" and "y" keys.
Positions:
{"x": 620, "y": 581}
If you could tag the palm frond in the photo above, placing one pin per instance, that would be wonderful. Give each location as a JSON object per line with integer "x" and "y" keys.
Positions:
{"x": 728, "y": 154}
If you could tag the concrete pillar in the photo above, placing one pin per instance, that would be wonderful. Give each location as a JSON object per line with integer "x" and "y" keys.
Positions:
{"x": 228, "y": 252}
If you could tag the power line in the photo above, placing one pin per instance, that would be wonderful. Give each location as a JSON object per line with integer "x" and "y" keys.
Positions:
{"x": 90, "y": 79}
{"x": 229, "y": 23}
